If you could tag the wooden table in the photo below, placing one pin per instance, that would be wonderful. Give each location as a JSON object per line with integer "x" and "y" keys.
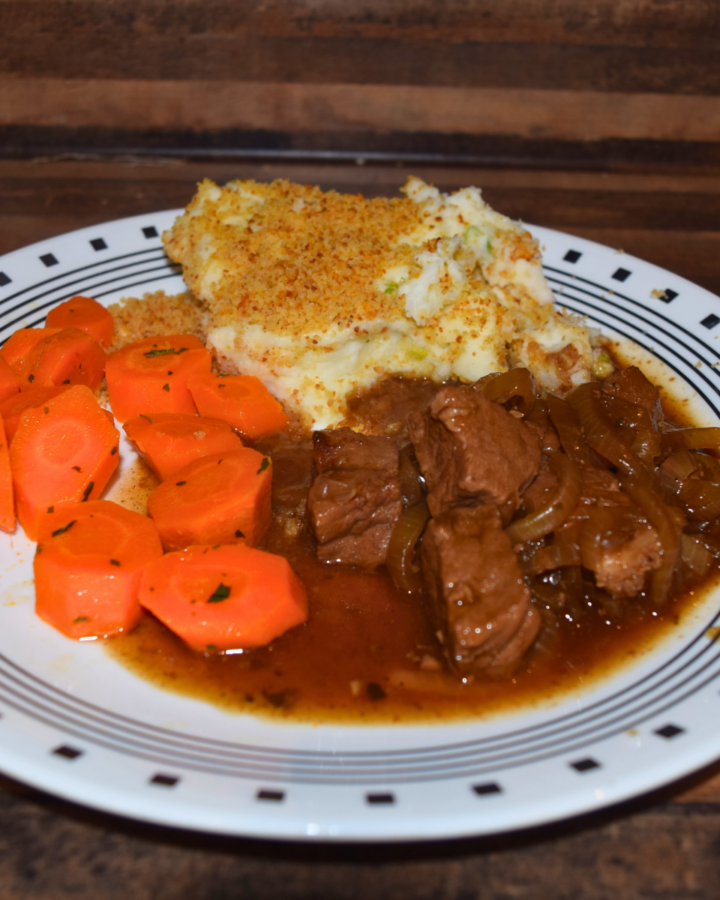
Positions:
{"x": 664, "y": 845}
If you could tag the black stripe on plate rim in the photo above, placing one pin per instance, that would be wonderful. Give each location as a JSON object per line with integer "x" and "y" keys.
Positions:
{"x": 99, "y": 264}
{"x": 118, "y": 281}
{"x": 646, "y": 309}
{"x": 288, "y": 771}
{"x": 437, "y": 753}
{"x": 698, "y": 373}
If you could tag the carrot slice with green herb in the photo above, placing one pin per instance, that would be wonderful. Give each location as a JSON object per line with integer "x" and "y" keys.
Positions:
{"x": 224, "y": 598}
{"x": 63, "y": 451}
{"x": 150, "y": 376}
{"x": 169, "y": 441}
{"x": 12, "y": 409}
{"x": 7, "y": 504}
{"x": 88, "y": 566}
{"x": 21, "y": 342}
{"x": 242, "y": 401}
{"x": 9, "y": 381}
{"x": 70, "y": 356}
{"x": 219, "y": 499}
{"x": 87, "y": 315}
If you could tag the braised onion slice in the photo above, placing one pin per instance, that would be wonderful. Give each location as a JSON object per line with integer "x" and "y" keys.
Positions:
{"x": 567, "y": 426}
{"x": 601, "y": 434}
{"x": 695, "y": 555}
{"x": 557, "y": 508}
{"x": 668, "y": 524}
{"x": 559, "y": 554}
{"x": 700, "y": 499}
{"x": 606, "y": 528}
{"x": 401, "y": 548}
{"x": 679, "y": 465}
{"x": 517, "y": 383}
{"x": 693, "y": 438}
{"x": 409, "y": 481}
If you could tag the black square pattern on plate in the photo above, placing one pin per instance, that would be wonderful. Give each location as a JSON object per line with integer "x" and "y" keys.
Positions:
{"x": 274, "y": 796}
{"x": 668, "y": 295}
{"x": 490, "y": 787}
{"x": 379, "y": 799}
{"x": 150, "y": 231}
{"x": 47, "y": 259}
{"x": 68, "y": 752}
{"x": 621, "y": 274}
{"x": 572, "y": 256}
{"x": 710, "y": 321}
{"x": 585, "y": 765}
{"x": 164, "y": 780}
{"x": 669, "y": 731}
{"x": 98, "y": 244}
{"x": 4, "y": 279}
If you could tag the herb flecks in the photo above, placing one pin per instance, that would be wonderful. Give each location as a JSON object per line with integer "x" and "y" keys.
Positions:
{"x": 221, "y": 592}
{"x": 65, "y": 528}
{"x": 263, "y": 465}
{"x": 114, "y": 562}
{"x": 87, "y": 491}
{"x": 80, "y": 619}
{"x": 151, "y": 354}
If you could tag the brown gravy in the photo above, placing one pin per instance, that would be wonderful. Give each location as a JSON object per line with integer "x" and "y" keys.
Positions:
{"x": 350, "y": 661}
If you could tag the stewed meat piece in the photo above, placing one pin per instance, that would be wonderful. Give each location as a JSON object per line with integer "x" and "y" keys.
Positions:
{"x": 355, "y": 501}
{"x": 632, "y": 386}
{"x": 472, "y": 450}
{"x": 620, "y": 548}
{"x": 479, "y": 601}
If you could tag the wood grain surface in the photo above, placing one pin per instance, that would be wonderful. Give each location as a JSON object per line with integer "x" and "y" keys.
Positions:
{"x": 387, "y": 74}
{"x": 657, "y": 847}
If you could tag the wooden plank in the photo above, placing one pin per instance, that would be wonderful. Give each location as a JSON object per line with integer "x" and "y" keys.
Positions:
{"x": 208, "y": 105}
{"x": 52, "y": 850}
{"x": 644, "y": 23}
{"x": 557, "y": 66}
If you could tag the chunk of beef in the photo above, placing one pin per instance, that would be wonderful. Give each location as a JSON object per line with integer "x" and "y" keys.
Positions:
{"x": 355, "y": 501}
{"x": 384, "y": 408}
{"x": 478, "y": 599}
{"x": 620, "y": 548}
{"x": 632, "y": 386}
{"x": 472, "y": 450}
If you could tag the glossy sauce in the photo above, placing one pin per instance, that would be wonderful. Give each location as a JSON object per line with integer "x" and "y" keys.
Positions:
{"x": 367, "y": 653}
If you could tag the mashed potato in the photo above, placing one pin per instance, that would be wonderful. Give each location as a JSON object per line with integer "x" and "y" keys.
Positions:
{"x": 321, "y": 294}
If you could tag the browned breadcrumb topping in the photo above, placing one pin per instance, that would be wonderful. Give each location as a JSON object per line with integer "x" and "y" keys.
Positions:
{"x": 156, "y": 314}
{"x": 290, "y": 257}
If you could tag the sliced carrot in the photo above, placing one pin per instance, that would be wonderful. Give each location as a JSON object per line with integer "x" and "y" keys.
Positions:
{"x": 70, "y": 356}
{"x": 9, "y": 381}
{"x": 169, "y": 441}
{"x": 12, "y": 409}
{"x": 7, "y": 505}
{"x": 21, "y": 342}
{"x": 224, "y": 598}
{"x": 63, "y": 451}
{"x": 87, "y": 315}
{"x": 88, "y": 566}
{"x": 242, "y": 401}
{"x": 150, "y": 376}
{"x": 219, "y": 499}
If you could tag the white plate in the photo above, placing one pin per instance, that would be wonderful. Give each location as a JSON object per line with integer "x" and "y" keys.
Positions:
{"x": 77, "y": 724}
